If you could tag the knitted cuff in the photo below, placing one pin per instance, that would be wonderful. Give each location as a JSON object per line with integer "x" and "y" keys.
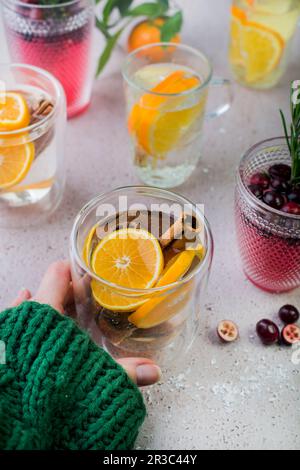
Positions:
{"x": 58, "y": 390}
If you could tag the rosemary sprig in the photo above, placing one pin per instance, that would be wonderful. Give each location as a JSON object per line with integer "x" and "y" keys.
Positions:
{"x": 293, "y": 140}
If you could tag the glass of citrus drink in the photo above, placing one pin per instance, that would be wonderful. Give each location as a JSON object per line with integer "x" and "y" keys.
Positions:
{"x": 140, "y": 259}
{"x": 261, "y": 38}
{"x": 32, "y": 120}
{"x": 166, "y": 88}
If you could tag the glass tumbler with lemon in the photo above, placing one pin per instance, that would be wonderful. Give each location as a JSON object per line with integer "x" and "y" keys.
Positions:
{"x": 140, "y": 259}
{"x": 166, "y": 89}
{"x": 261, "y": 38}
{"x": 32, "y": 118}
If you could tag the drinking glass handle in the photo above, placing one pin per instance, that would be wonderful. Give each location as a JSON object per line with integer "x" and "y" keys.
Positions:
{"x": 218, "y": 82}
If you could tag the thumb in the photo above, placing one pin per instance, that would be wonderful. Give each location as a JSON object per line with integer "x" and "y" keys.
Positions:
{"x": 142, "y": 371}
{"x": 55, "y": 286}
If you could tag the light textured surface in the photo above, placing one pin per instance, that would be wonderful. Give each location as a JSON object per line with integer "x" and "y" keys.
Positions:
{"x": 243, "y": 396}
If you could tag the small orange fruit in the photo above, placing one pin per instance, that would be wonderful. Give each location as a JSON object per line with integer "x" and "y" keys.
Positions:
{"x": 148, "y": 32}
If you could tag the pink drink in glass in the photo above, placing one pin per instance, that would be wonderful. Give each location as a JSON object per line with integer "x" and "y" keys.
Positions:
{"x": 269, "y": 240}
{"x": 57, "y": 38}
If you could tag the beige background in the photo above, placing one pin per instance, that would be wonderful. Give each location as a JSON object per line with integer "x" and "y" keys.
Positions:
{"x": 241, "y": 396}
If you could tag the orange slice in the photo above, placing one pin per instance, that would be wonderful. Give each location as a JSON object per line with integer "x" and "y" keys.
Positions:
{"x": 263, "y": 50}
{"x": 157, "y": 122}
{"x": 148, "y": 316}
{"x": 130, "y": 258}
{"x": 254, "y": 46}
{"x": 88, "y": 243}
{"x": 235, "y": 51}
{"x": 238, "y": 13}
{"x": 15, "y": 162}
{"x": 14, "y": 111}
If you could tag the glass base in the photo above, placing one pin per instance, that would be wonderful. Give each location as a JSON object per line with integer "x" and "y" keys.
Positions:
{"x": 77, "y": 110}
{"x": 20, "y": 216}
{"x": 165, "y": 178}
{"x": 164, "y": 357}
{"x": 269, "y": 290}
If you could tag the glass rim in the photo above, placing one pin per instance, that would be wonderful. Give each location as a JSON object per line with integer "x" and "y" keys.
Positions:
{"x": 21, "y": 3}
{"x": 185, "y": 47}
{"x": 250, "y": 197}
{"x": 203, "y": 265}
{"x": 58, "y": 90}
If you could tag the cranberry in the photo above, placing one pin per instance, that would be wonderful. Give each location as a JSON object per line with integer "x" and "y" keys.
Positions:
{"x": 294, "y": 195}
{"x": 280, "y": 185}
{"x": 289, "y": 314}
{"x": 290, "y": 335}
{"x": 227, "y": 331}
{"x": 256, "y": 190}
{"x": 268, "y": 332}
{"x": 281, "y": 171}
{"x": 273, "y": 199}
{"x": 36, "y": 14}
{"x": 291, "y": 208}
{"x": 260, "y": 179}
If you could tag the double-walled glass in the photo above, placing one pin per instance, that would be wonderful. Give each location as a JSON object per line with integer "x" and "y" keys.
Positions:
{"x": 269, "y": 240}
{"x": 169, "y": 328}
{"x": 32, "y": 171}
{"x": 57, "y": 37}
{"x": 166, "y": 88}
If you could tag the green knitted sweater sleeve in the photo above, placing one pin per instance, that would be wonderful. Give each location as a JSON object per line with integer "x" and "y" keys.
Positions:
{"x": 58, "y": 390}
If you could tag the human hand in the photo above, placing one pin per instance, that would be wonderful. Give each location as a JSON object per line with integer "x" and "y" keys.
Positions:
{"x": 56, "y": 290}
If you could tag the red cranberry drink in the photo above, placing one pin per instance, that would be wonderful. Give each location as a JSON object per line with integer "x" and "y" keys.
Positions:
{"x": 267, "y": 211}
{"x": 55, "y": 36}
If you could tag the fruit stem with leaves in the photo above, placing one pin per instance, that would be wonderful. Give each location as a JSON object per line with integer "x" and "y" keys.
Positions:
{"x": 117, "y": 15}
{"x": 293, "y": 140}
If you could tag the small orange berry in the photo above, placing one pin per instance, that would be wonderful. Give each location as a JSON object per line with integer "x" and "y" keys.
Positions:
{"x": 148, "y": 32}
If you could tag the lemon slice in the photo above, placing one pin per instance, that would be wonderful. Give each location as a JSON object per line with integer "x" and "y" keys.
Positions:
{"x": 157, "y": 122}
{"x": 148, "y": 316}
{"x": 14, "y": 111}
{"x": 129, "y": 258}
{"x": 15, "y": 162}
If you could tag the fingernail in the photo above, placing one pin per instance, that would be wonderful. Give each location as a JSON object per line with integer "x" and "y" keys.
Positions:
{"x": 24, "y": 293}
{"x": 148, "y": 374}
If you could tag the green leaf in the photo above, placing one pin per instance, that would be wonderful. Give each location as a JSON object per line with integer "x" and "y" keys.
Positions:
{"x": 123, "y": 6}
{"x": 103, "y": 28}
{"x": 285, "y": 129}
{"x": 111, "y": 42}
{"x": 171, "y": 27}
{"x": 165, "y": 3}
{"x": 110, "y": 5}
{"x": 150, "y": 10}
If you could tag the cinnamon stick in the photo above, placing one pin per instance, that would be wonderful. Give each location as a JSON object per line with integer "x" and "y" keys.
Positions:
{"x": 173, "y": 232}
